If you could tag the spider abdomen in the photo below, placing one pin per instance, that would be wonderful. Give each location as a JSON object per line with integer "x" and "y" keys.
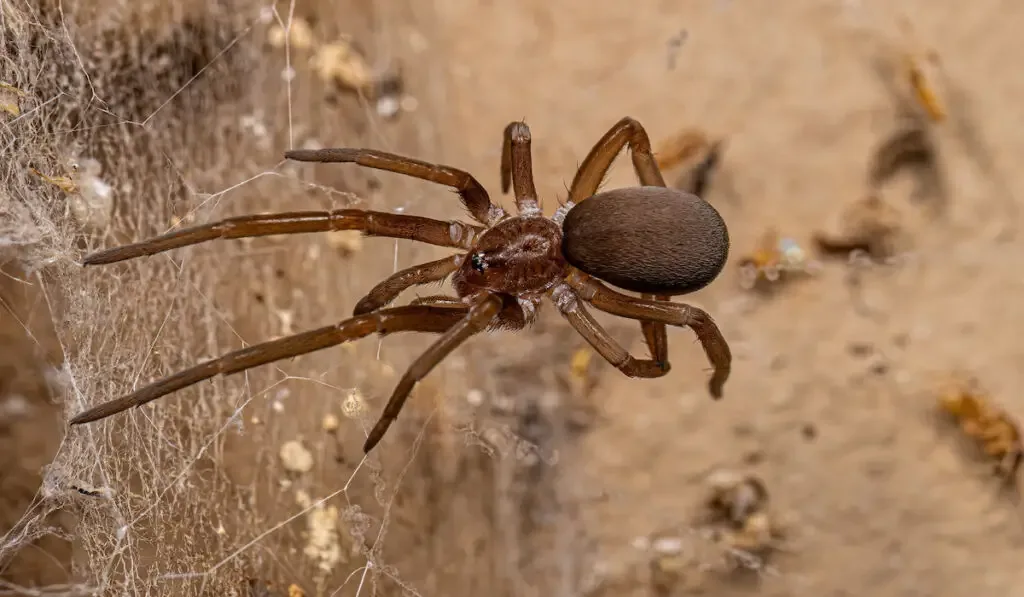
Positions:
{"x": 652, "y": 240}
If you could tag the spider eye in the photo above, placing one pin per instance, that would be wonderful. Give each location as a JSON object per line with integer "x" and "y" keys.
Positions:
{"x": 477, "y": 261}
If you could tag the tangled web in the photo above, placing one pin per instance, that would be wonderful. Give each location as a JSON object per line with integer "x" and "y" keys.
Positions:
{"x": 119, "y": 123}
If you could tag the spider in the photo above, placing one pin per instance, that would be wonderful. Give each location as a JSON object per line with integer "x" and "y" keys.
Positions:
{"x": 652, "y": 240}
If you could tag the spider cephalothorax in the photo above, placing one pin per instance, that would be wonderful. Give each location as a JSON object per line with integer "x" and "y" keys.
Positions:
{"x": 653, "y": 240}
{"x": 518, "y": 255}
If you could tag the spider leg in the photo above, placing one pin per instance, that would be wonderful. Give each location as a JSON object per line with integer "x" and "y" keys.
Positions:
{"x": 382, "y": 294}
{"x": 582, "y": 321}
{"x": 371, "y": 223}
{"x": 588, "y": 178}
{"x": 677, "y": 314}
{"x": 594, "y": 167}
{"x": 439, "y": 300}
{"x": 389, "y": 321}
{"x": 472, "y": 193}
{"x": 480, "y": 315}
{"x": 511, "y": 318}
{"x": 655, "y": 334}
{"x": 517, "y": 167}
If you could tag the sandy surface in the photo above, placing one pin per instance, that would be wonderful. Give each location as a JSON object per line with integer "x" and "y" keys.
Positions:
{"x": 886, "y": 504}
{"x": 882, "y": 500}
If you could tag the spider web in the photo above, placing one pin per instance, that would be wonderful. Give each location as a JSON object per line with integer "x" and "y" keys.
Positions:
{"x": 132, "y": 120}
{"x": 178, "y": 113}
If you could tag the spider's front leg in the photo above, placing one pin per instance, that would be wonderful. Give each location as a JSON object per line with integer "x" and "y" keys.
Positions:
{"x": 677, "y": 314}
{"x": 517, "y": 167}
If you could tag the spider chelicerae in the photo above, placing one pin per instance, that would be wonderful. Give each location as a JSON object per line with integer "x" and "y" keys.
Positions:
{"x": 651, "y": 240}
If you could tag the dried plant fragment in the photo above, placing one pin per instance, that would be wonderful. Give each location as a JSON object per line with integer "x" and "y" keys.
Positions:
{"x": 984, "y": 422}
{"x": 10, "y": 99}
{"x": 685, "y": 146}
{"x": 910, "y": 146}
{"x": 698, "y": 178}
{"x": 261, "y": 588}
{"x": 90, "y": 198}
{"x": 340, "y": 63}
{"x": 917, "y": 66}
{"x": 774, "y": 260}
{"x": 672, "y": 570}
{"x": 736, "y": 512}
{"x": 298, "y": 35}
{"x": 734, "y": 530}
{"x": 64, "y": 183}
{"x": 909, "y": 74}
{"x": 870, "y": 226}
{"x": 264, "y": 588}
{"x": 698, "y": 151}
{"x": 924, "y": 90}
{"x": 734, "y": 497}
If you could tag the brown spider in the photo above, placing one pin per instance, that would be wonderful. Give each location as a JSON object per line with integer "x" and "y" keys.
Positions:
{"x": 653, "y": 240}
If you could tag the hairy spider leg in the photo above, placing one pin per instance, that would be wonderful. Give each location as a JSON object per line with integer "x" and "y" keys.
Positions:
{"x": 476, "y": 320}
{"x": 389, "y": 321}
{"x": 517, "y": 168}
{"x": 371, "y": 223}
{"x": 677, "y": 314}
{"x": 472, "y": 193}
{"x": 579, "y": 317}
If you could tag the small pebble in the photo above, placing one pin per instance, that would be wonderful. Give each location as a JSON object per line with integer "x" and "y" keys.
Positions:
{"x": 388, "y": 107}
{"x": 668, "y": 545}
{"x": 475, "y": 397}
{"x": 641, "y": 543}
{"x": 860, "y": 349}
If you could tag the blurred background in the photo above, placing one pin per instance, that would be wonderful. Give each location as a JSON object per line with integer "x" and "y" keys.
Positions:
{"x": 864, "y": 155}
